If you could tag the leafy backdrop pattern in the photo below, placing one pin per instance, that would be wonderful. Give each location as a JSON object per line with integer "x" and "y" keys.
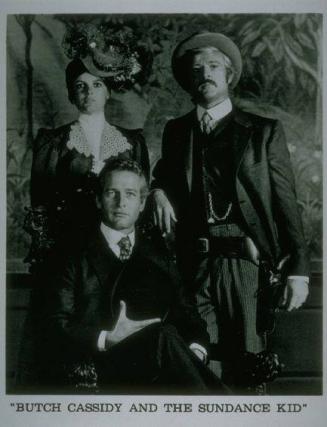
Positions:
{"x": 281, "y": 79}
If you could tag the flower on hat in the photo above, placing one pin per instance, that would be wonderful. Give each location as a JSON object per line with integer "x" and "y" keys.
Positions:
{"x": 109, "y": 51}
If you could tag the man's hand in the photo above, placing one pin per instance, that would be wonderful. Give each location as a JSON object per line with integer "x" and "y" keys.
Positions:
{"x": 163, "y": 211}
{"x": 125, "y": 327}
{"x": 295, "y": 293}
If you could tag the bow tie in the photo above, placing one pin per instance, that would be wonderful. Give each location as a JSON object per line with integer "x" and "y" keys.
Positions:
{"x": 125, "y": 246}
{"x": 207, "y": 123}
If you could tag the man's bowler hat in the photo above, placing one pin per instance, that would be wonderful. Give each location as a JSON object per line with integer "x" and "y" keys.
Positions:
{"x": 203, "y": 40}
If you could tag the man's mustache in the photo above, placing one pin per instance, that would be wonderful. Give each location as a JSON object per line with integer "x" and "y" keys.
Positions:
{"x": 207, "y": 81}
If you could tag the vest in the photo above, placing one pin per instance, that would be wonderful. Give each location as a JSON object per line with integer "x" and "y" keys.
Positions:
{"x": 213, "y": 185}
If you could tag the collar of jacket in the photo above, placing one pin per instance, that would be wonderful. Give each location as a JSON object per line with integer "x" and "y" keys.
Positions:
{"x": 59, "y": 136}
{"x": 101, "y": 256}
{"x": 241, "y": 117}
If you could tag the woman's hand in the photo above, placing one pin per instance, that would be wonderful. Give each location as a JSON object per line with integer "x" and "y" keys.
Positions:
{"x": 163, "y": 211}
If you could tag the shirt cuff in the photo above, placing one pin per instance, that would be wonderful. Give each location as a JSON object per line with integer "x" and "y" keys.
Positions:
{"x": 196, "y": 346}
{"x": 101, "y": 344}
{"x": 304, "y": 278}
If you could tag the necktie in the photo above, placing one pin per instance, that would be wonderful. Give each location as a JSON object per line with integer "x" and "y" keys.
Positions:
{"x": 125, "y": 248}
{"x": 206, "y": 123}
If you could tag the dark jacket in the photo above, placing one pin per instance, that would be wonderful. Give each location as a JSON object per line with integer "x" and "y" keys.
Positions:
{"x": 263, "y": 180}
{"x": 83, "y": 297}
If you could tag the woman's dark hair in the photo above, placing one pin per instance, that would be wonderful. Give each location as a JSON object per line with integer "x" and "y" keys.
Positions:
{"x": 74, "y": 69}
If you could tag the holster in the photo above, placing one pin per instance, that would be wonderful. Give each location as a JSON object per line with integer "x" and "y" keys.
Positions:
{"x": 272, "y": 283}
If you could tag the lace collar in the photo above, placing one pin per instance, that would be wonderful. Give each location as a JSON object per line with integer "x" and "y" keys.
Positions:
{"x": 112, "y": 143}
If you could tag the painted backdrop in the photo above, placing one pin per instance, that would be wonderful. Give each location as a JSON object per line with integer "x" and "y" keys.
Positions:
{"x": 281, "y": 79}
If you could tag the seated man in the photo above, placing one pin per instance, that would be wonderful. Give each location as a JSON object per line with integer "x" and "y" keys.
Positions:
{"x": 115, "y": 320}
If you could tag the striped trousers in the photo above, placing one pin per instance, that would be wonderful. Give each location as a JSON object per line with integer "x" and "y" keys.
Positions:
{"x": 227, "y": 300}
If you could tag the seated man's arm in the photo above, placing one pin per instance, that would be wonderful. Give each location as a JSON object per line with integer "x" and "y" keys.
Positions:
{"x": 72, "y": 315}
{"x": 123, "y": 328}
{"x": 69, "y": 323}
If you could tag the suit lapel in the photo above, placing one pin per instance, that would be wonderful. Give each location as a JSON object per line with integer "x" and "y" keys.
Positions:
{"x": 189, "y": 160}
{"x": 149, "y": 249}
{"x": 101, "y": 257}
{"x": 142, "y": 247}
{"x": 242, "y": 131}
{"x": 188, "y": 140}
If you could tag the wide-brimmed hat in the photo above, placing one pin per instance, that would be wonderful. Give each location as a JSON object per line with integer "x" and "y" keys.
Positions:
{"x": 203, "y": 40}
{"x": 108, "y": 52}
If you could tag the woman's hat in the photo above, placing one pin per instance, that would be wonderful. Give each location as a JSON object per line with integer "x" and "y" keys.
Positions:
{"x": 203, "y": 40}
{"x": 108, "y": 52}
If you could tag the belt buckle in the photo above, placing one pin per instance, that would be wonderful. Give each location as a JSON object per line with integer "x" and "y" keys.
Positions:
{"x": 203, "y": 245}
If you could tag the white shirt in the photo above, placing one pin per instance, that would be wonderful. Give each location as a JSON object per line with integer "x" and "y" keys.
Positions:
{"x": 114, "y": 236}
{"x": 93, "y": 125}
{"x": 217, "y": 112}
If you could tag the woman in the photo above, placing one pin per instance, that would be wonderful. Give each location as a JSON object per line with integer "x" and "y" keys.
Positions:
{"x": 68, "y": 159}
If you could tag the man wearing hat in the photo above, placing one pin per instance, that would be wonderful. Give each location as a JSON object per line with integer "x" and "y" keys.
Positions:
{"x": 225, "y": 178}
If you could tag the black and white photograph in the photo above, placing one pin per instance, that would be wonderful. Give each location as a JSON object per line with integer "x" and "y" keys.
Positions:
{"x": 164, "y": 209}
